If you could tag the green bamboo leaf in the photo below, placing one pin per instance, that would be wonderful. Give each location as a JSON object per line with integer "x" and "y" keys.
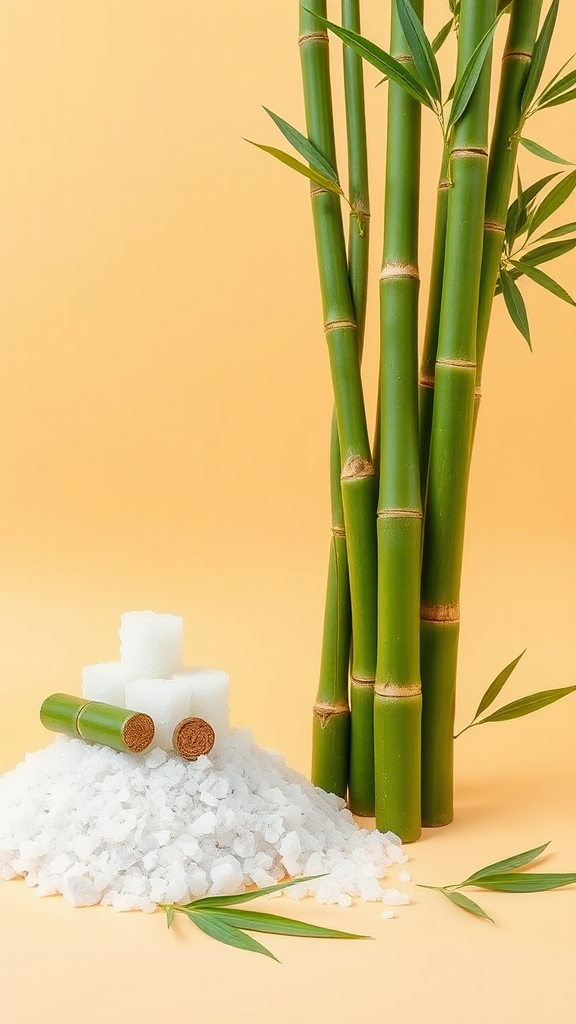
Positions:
{"x": 308, "y": 172}
{"x": 275, "y": 924}
{"x": 539, "y": 277}
{"x": 555, "y": 198}
{"x": 225, "y": 932}
{"x": 564, "y": 229}
{"x": 303, "y": 146}
{"x": 442, "y": 36}
{"x": 566, "y": 97}
{"x": 466, "y": 903}
{"x": 539, "y": 55}
{"x": 545, "y": 154}
{"x": 381, "y": 60}
{"x": 551, "y": 89}
{"x": 454, "y": 6}
{"x": 469, "y": 77}
{"x": 529, "y": 882}
{"x": 516, "y": 308}
{"x": 496, "y": 686}
{"x": 503, "y": 6}
{"x": 251, "y": 894}
{"x": 544, "y": 253}
{"x": 516, "y": 212}
{"x": 556, "y": 88}
{"x": 169, "y": 916}
{"x": 501, "y": 866}
{"x": 420, "y": 48}
{"x": 526, "y": 705}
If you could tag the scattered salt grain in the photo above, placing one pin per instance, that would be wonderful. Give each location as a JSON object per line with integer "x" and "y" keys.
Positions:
{"x": 128, "y": 831}
{"x": 387, "y": 915}
{"x": 404, "y": 876}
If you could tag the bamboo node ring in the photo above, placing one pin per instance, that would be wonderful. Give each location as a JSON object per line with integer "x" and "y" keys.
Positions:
{"x": 339, "y": 325}
{"x": 313, "y": 37}
{"x": 362, "y": 682}
{"x": 517, "y": 55}
{"x": 399, "y": 513}
{"x": 492, "y": 225}
{"x": 426, "y": 381}
{"x": 394, "y": 270}
{"x": 338, "y": 531}
{"x": 392, "y": 690}
{"x": 356, "y": 468}
{"x": 324, "y": 712}
{"x": 461, "y": 364}
{"x": 469, "y": 151}
{"x": 440, "y": 612}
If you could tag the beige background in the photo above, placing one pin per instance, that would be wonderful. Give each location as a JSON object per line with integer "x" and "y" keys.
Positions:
{"x": 165, "y": 415}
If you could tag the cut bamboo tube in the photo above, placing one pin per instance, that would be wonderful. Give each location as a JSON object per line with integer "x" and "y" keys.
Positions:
{"x": 452, "y": 419}
{"x": 123, "y": 730}
{"x": 398, "y": 699}
{"x": 331, "y": 713}
{"x": 193, "y": 737}
{"x": 357, "y": 475}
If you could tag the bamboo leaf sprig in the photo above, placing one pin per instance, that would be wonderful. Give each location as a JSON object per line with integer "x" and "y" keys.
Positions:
{"x": 517, "y": 708}
{"x": 502, "y": 876}
{"x": 218, "y": 917}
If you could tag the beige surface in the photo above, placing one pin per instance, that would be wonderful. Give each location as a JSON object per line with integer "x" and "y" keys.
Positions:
{"x": 165, "y": 419}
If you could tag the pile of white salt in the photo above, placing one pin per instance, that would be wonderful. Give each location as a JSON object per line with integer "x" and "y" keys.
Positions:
{"x": 100, "y": 826}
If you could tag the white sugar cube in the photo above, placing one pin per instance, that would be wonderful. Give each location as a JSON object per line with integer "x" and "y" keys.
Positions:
{"x": 106, "y": 681}
{"x": 151, "y": 644}
{"x": 208, "y": 691}
{"x": 165, "y": 700}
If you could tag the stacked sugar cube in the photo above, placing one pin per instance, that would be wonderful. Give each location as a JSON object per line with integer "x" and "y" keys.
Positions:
{"x": 151, "y": 678}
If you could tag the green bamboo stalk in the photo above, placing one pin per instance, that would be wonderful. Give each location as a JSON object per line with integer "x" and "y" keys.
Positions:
{"x": 331, "y": 715}
{"x": 130, "y": 731}
{"x": 357, "y": 474}
{"x": 398, "y": 699}
{"x": 452, "y": 419}
{"x": 520, "y": 40}
{"x": 430, "y": 346}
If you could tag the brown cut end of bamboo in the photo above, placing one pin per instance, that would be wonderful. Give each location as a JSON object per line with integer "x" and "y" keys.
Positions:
{"x": 193, "y": 737}
{"x": 339, "y": 325}
{"x": 392, "y": 271}
{"x": 313, "y": 37}
{"x": 393, "y": 690}
{"x": 440, "y": 612}
{"x": 138, "y": 732}
{"x": 399, "y": 513}
{"x": 356, "y": 468}
{"x": 324, "y": 712}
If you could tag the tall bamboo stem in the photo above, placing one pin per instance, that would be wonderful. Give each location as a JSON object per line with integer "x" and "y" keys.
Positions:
{"x": 357, "y": 474}
{"x": 331, "y": 722}
{"x": 520, "y": 40}
{"x": 452, "y": 420}
{"x": 398, "y": 699}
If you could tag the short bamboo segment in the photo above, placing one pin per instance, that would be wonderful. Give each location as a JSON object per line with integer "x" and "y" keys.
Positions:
{"x": 129, "y": 731}
{"x": 520, "y": 40}
{"x": 397, "y": 701}
{"x": 452, "y": 420}
{"x": 331, "y": 713}
{"x": 357, "y": 476}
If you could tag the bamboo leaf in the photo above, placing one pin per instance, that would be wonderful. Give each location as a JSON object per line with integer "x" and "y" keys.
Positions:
{"x": 442, "y": 36}
{"x": 500, "y": 866}
{"x": 545, "y": 154}
{"x": 466, "y": 903}
{"x": 516, "y": 308}
{"x": 526, "y": 705}
{"x": 539, "y": 277}
{"x": 539, "y": 56}
{"x": 555, "y": 198}
{"x": 551, "y": 87}
{"x": 544, "y": 253}
{"x": 227, "y": 933}
{"x": 515, "y": 215}
{"x": 251, "y": 894}
{"x": 496, "y": 686}
{"x": 529, "y": 882}
{"x": 420, "y": 48}
{"x": 566, "y": 97}
{"x": 277, "y": 925}
{"x": 503, "y": 6}
{"x": 296, "y": 165}
{"x": 303, "y": 146}
{"x": 564, "y": 229}
{"x": 555, "y": 88}
{"x": 380, "y": 60}
{"x": 169, "y": 916}
{"x": 469, "y": 77}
